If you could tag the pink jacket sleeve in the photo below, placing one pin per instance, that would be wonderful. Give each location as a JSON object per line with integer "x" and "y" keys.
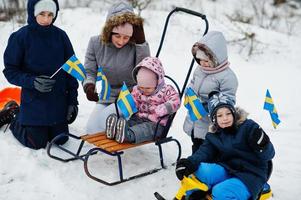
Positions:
{"x": 135, "y": 93}
{"x": 172, "y": 102}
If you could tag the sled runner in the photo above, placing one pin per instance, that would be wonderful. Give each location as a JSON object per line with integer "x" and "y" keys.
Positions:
{"x": 114, "y": 149}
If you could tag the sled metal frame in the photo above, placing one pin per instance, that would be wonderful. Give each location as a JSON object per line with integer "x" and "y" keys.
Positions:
{"x": 111, "y": 148}
{"x": 102, "y": 143}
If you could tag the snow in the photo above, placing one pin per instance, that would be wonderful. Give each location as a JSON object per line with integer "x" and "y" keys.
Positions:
{"x": 27, "y": 174}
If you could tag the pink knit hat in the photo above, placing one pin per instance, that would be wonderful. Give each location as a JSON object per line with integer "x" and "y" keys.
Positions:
{"x": 146, "y": 78}
{"x": 126, "y": 29}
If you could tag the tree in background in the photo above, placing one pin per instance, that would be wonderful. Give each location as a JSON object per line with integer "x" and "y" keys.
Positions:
{"x": 13, "y": 8}
{"x": 140, "y": 5}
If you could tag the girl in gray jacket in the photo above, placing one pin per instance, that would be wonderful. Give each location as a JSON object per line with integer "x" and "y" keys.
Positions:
{"x": 213, "y": 74}
{"x": 119, "y": 48}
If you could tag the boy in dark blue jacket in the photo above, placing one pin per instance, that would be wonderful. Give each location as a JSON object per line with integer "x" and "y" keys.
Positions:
{"x": 234, "y": 158}
{"x": 33, "y": 54}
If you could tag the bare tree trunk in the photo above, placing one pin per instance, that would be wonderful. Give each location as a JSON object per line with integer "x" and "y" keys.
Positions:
{"x": 278, "y": 2}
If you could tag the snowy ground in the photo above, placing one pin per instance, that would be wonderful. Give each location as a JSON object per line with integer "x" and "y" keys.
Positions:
{"x": 26, "y": 174}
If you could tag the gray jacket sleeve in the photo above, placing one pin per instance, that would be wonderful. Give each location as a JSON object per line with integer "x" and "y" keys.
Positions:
{"x": 90, "y": 62}
{"x": 229, "y": 85}
{"x": 142, "y": 51}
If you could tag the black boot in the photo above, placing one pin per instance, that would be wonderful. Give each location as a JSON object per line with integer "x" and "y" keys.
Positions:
{"x": 198, "y": 195}
{"x": 8, "y": 113}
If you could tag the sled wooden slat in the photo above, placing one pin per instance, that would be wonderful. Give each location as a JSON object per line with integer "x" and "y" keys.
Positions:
{"x": 124, "y": 146}
{"x": 100, "y": 140}
{"x": 93, "y": 137}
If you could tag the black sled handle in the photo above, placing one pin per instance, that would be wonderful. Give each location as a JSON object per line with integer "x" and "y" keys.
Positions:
{"x": 191, "y": 12}
{"x": 178, "y": 9}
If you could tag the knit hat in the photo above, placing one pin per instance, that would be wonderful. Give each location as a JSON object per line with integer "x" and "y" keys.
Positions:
{"x": 146, "y": 78}
{"x": 125, "y": 29}
{"x": 218, "y": 100}
{"x": 119, "y": 8}
{"x": 45, "y": 5}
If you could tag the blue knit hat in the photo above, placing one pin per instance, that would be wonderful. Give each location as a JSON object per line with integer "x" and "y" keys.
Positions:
{"x": 218, "y": 100}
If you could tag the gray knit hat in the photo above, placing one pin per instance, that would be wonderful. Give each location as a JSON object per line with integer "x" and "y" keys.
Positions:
{"x": 45, "y": 5}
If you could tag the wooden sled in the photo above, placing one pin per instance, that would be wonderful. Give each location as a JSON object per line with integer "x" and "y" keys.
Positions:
{"x": 114, "y": 149}
{"x": 111, "y": 148}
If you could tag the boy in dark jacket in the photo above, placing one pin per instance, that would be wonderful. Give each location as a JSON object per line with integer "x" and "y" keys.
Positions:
{"x": 233, "y": 161}
{"x": 32, "y": 55}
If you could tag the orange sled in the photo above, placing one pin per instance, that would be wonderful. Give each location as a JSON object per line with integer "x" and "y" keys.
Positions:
{"x": 8, "y": 94}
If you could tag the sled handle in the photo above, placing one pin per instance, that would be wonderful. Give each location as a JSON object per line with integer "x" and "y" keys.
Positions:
{"x": 190, "y": 12}
{"x": 177, "y": 9}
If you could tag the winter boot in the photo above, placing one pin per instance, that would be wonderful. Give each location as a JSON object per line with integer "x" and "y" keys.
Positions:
{"x": 122, "y": 132}
{"x": 266, "y": 192}
{"x": 111, "y": 122}
{"x": 198, "y": 195}
{"x": 8, "y": 113}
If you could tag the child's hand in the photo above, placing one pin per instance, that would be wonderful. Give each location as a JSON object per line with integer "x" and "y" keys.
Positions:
{"x": 161, "y": 110}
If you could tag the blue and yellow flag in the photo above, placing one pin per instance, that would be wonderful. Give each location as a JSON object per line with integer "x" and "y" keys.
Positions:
{"x": 270, "y": 106}
{"x": 194, "y": 106}
{"x": 126, "y": 102}
{"x": 74, "y": 67}
{"x": 105, "y": 86}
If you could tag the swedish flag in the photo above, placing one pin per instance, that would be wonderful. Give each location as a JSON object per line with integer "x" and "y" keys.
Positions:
{"x": 194, "y": 106}
{"x": 270, "y": 106}
{"x": 105, "y": 86}
{"x": 126, "y": 102}
{"x": 74, "y": 67}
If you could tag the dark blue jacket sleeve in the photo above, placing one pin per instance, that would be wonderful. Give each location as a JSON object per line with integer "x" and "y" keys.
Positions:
{"x": 265, "y": 154}
{"x": 205, "y": 153}
{"x": 72, "y": 82}
{"x": 13, "y": 61}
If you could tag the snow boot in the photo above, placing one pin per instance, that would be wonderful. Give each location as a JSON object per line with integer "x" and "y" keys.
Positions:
{"x": 123, "y": 134}
{"x": 266, "y": 192}
{"x": 198, "y": 195}
{"x": 111, "y": 122}
{"x": 8, "y": 113}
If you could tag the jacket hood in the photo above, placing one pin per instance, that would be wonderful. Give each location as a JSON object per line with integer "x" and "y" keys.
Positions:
{"x": 31, "y": 19}
{"x": 118, "y": 14}
{"x": 240, "y": 116}
{"x": 153, "y": 64}
{"x": 215, "y": 45}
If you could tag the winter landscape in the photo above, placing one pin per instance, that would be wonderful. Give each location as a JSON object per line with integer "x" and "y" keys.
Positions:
{"x": 270, "y": 60}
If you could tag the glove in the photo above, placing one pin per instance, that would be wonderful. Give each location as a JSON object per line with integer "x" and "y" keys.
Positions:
{"x": 161, "y": 110}
{"x": 89, "y": 89}
{"x": 184, "y": 168}
{"x": 138, "y": 34}
{"x": 259, "y": 139}
{"x": 71, "y": 113}
{"x": 43, "y": 83}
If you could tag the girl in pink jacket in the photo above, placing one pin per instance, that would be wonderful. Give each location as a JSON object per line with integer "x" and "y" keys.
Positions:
{"x": 154, "y": 99}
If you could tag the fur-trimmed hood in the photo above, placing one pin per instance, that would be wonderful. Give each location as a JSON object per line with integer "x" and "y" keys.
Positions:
{"x": 118, "y": 14}
{"x": 214, "y": 45}
{"x": 240, "y": 116}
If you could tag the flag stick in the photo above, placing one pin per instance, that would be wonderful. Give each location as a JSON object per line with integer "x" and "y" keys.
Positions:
{"x": 55, "y": 72}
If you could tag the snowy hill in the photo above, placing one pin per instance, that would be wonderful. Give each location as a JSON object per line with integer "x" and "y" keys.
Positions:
{"x": 26, "y": 174}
